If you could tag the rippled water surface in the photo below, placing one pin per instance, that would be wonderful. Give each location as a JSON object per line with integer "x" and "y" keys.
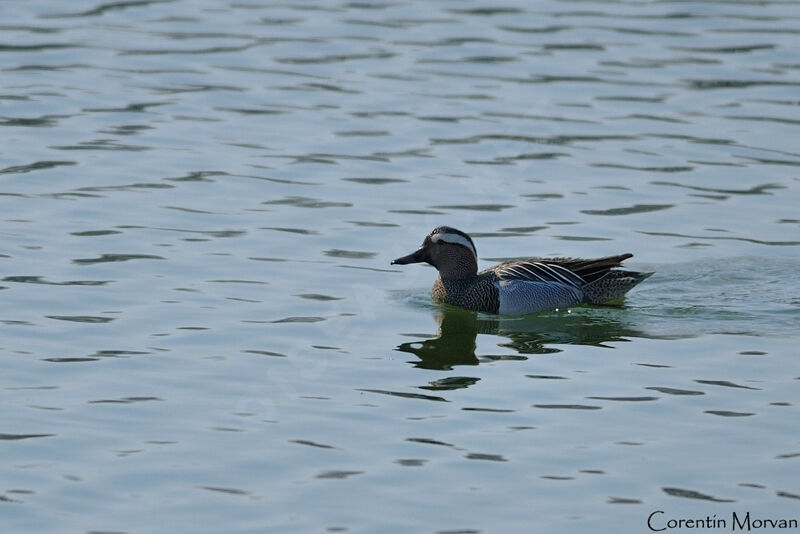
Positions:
{"x": 200, "y": 330}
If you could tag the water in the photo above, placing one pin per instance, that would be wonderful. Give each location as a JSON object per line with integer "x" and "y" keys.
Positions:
{"x": 201, "y": 330}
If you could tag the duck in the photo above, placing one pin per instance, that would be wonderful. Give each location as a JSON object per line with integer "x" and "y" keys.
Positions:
{"x": 518, "y": 287}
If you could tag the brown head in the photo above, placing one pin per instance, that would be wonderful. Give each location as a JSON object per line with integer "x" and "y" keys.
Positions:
{"x": 451, "y": 251}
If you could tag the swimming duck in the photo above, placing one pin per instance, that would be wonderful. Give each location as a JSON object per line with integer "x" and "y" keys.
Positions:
{"x": 517, "y": 287}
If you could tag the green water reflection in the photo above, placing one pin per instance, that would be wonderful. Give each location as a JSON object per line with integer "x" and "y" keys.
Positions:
{"x": 456, "y": 340}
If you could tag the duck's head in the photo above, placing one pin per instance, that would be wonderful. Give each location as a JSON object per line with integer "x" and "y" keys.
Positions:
{"x": 451, "y": 251}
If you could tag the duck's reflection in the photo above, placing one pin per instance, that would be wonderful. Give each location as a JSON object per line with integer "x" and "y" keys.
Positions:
{"x": 453, "y": 345}
{"x": 455, "y": 342}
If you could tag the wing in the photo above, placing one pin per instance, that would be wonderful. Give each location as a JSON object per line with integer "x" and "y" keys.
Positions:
{"x": 538, "y": 271}
{"x": 592, "y": 269}
{"x": 578, "y": 271}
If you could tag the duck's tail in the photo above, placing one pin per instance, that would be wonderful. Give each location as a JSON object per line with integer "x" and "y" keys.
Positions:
{"x": 612, "y": 286}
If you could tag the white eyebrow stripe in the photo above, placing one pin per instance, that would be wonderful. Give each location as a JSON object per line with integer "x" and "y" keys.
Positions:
{"x": 454, "y": 239}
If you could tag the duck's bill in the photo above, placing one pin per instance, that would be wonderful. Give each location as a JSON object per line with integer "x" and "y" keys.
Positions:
{"x": 418, "y": 256}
